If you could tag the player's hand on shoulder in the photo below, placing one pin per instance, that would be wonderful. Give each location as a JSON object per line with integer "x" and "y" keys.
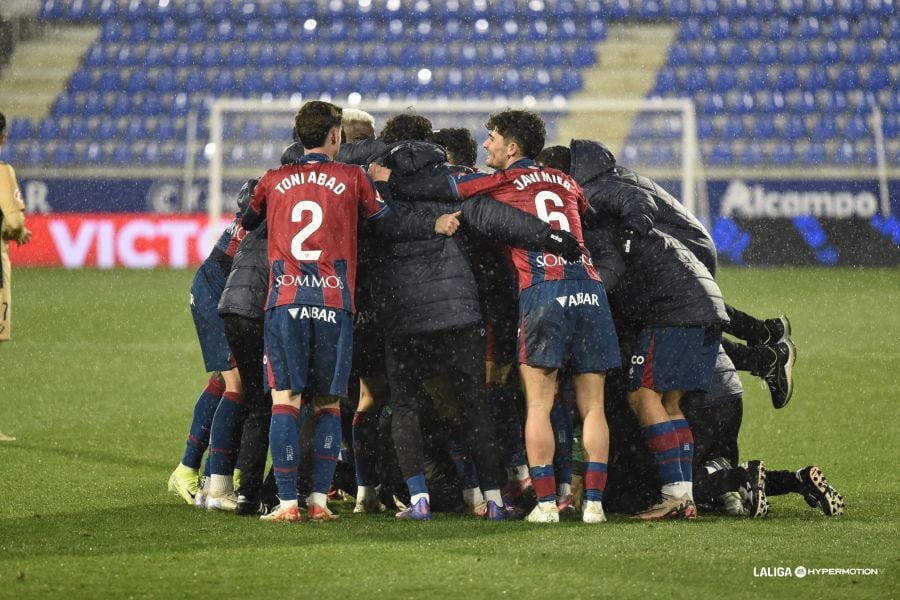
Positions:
{"x": 563, "y": 243}
{"x": 379, "y": 172}
{"x": 447, "y": 224}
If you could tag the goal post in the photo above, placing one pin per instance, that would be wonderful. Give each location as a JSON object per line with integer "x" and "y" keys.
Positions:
{"x": 246, "y": 136}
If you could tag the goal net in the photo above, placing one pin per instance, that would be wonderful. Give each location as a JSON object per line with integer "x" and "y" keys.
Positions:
{"x": 656, "y": 137}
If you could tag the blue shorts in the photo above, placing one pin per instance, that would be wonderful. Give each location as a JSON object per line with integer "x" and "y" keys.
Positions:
{"x": 674, "y": 358}
{"x": 206, "y": 289}
{"x": 567, "y": 320}
{"x": 308, "y": 349}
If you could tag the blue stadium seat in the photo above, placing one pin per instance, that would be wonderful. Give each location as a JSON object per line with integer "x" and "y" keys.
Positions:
{"x": 224, "y": 83}
{"x": 130, "y": 56}
{"x": 794, "y": 128}
{"x": 95, "y": 57}
{"x": 666, "y": 81}
{"x": 783, "y": 153}
{"x": 720, "y": 29}
{"x": 856, "y": 128}
{"x": 395, "y": 31}
{"x": 804, "y": 103}
{"x": 706, "y": 130}
{"x": 807, "y": 28}
{"x": 150, "y": 105}
{"x": 695, "y": 80}
{"x": 779, "y": 28}
{"x": 252, "y": 31}
{"x": 564, "y": 31}
{"x": 538, "y": 31}
{"x": 708, "y": 54}
{"x": 889, "y": 55}
{"x": 238, "y": 56}
{"x": 111, "y": 32}
{"x": 879, "y": 78}
{"x": 712, "y": 104}
{"x": 786, "y": 79}
{"x": 680, "y": 56}
{"x": 816, "y": 79}
{"x": 725, "y": 80}
{"x": 769, "y": 101}
{"x": 678, "y": 9}
{"x": 796, "y": 53}
{"x": 768, "y": 54}
{"x": 276, "y": 10}
{"x": 691, "y": 30}
{"x": 829, "y": 53}
{"x": 868, "y": 28}
{"x": 310, "y": 82}
{"x": 749, "y": 29}
{"x": 595, "y": 30}
{"x": 49, "y": 128}
{"x": 815, "y": 155}
{"x": 122, "y": 155}
{"x": 195, "y": 81}
{"x": 324, "y": 55}
{"x": 509, "y": 31}
{"x": 138, "y": 81}
{"x": 155, "y": 57}
{"x": 845, "y": 154}
{"x": 763, "y": 127}
{"x": 211, "y": 56}
{"x": 197, "y": 31}
{"x": 140, "y": 32}
{"x": 282, "y": 83}
{"x": 819, "y": 8}
{"x": 839, "y": 28}
{"x": 738, "y": 55}
{"x": 81, "y": 81}
{"x": 453, "y": 82}
{"x": 496, "y": 54}
{"x": 858, "y": 52}
{"x": 183, "y": 56}
{"x": 253, "y": 83}
{"x": 281, "y": 32}
{"x": 847, "y": 79}
{"x": 94, "y": 105}
{"x": 337, "y": 32}
{"x": 121, "y": 105}
{"x": 732, "y": 127}
{"x": 265, "y": 56}
{"x": 824, "y": 128}
{"x": 757, "y": 78}
{"x": 63, "y": 106}
{"x": 584, "y": 55}
{"x": 366, "y": 31}
{"x": 720, "y": 155}
{"x": 109, "y": 81}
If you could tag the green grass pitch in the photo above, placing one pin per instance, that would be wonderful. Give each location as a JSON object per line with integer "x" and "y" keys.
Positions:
{"x": 99, "y": 383}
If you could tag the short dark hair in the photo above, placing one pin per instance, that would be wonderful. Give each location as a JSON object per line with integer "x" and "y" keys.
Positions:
{"x": 2, "y": 124}
{"x": 313, "y": 122}
{"x": 522, "y": 127}
{"x": 556, "y": 157}
{"x": 462, "y": 149}
{"x": 406, "y": 126}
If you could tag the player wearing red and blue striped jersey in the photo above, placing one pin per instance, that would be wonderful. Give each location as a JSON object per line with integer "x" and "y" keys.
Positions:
{"x": 563, "y": 311}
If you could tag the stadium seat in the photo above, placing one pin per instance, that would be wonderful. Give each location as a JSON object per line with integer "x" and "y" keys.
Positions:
{"x": 814, "y": 155}
{"x": 768, "y": 54}
{"x": 829, "y": 53}
{"x": 595, "y": 30}
{"x": 708, "y": 54}
{"x": 81, "y": 81}
{"x": 155, "y": 57}
{"x": 769, "y": 102}
{"x": 804, "y": 103}
{"x": 197, "y": 31}
{"x": 720, "y": 155}
{"x": 738, "y": 55}
{"x": 839, "y": 28}
{"x": 824, "y": 128}
{"x": 691, "y": 30}
{"x": 845, "y": 154}
{"x": 763, "y": 127}
{"x": 713, "y": 104}
{"x": 856, "y": 128}
{"x": 847, "y": 79}
{"x": 859, "y": 53}
{"x": 224, "y": 83}
{"x": 796, "y": 53}
{"x": 680, "y": 56}
{"x": 732, "y": 127}
{"x": 252, "y": 83}
{"x": 816, "y": 79}
{"x": 695, "y": 80}
{"x": 720, "y": 29}
{"x": 749, "y": 29}
{"x": 786, "y": 79}
{"x": 807, "y": 28}
{"x": 783, "y": 153}
{"x": 757, "y": 78}
{"x": 879, "y": 78}
{"x": 210, "y": 56}
{"x": 794, "y": 128}
{"x": 63, "y": 106}
{"x": 139, "y": 32}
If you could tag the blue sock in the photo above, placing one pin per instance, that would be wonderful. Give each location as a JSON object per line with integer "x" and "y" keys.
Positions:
{"x": 198, "y": 437}
{"x": 662, "y": 441}
{"x": 365, "y": 447}
{"x": 465, "y": 468}
{"x": 222, "y": 451}
{"x": 284, "y": 444}
{"x": 561, "y": 420}
{"x": 416, "y": 485}
{"x": 326, "y": 448}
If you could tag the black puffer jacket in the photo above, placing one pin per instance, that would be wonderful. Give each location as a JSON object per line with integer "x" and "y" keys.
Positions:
{"x": 664, "y": 286}
{"x": 428, "y": 285}
{"x": 248, "y": 282}
{"x": 635, "y": 201}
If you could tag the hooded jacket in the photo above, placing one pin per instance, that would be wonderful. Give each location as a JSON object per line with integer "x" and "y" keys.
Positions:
{"x": 635, "y": 201}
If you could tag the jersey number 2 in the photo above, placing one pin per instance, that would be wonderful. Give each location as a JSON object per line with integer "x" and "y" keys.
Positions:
{"x": 315, "y": 221}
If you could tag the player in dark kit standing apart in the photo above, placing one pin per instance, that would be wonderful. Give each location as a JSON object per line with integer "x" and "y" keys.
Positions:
{"x": 312, "y": 210}
{"x": 563, "y": 310}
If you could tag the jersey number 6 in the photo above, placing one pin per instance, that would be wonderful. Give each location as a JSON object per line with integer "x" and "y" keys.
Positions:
{"x": 542, "y": 204}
